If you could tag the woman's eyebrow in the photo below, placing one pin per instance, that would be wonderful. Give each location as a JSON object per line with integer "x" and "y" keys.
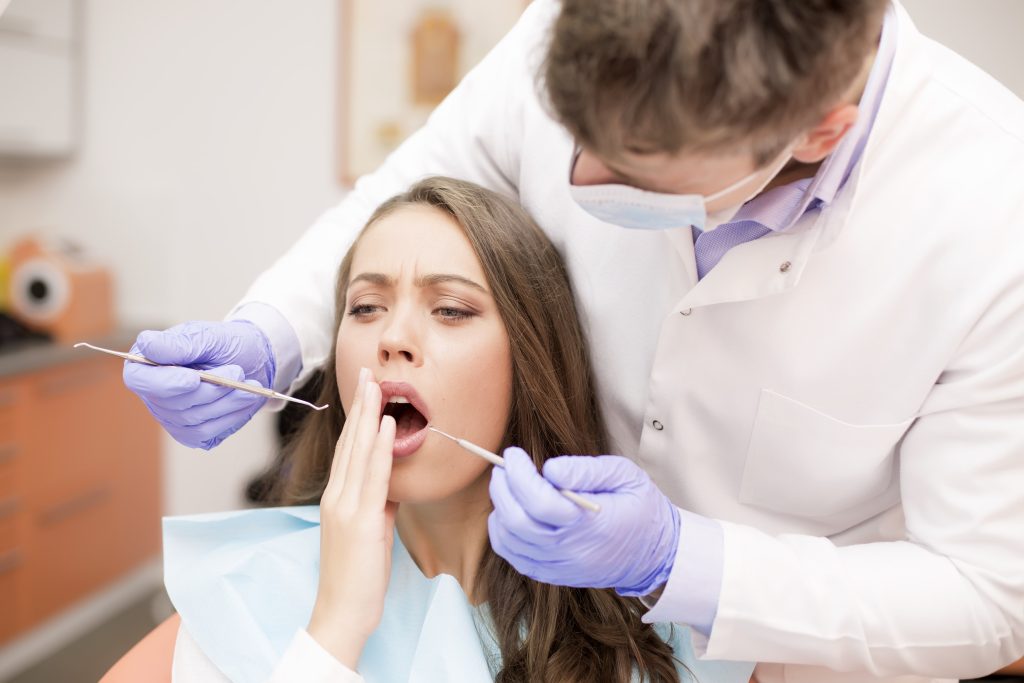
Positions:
{"x": 382, "y": 280}
{"x": 373, "y": 278}
{"x": 440, "y": 278}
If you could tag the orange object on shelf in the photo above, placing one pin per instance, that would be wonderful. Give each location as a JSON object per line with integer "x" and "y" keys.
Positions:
{"x": 59, "y": 292}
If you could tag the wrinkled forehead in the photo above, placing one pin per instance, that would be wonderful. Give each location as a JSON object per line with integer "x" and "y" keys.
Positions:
{"x": 413, "y": 241}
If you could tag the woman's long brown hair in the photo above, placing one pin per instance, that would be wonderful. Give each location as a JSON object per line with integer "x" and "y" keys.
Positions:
{"x": 544, "y": 632}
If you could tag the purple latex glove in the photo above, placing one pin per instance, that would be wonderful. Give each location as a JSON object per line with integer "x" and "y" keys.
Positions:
{"x": 199, "y": 414}
{"x": 630, "y": 545}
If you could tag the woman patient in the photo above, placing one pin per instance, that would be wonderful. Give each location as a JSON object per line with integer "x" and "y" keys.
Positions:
{"x": 453, "y": 310}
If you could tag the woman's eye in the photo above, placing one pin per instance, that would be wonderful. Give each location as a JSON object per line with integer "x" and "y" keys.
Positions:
{"x": 363, "y": 310}
{"x": 450, "y": 313}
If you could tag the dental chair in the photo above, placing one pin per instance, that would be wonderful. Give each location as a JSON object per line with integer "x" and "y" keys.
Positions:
{"x": 150, "y": 659}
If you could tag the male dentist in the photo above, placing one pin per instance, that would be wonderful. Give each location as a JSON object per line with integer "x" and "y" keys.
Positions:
{"x": 794, "y": 228}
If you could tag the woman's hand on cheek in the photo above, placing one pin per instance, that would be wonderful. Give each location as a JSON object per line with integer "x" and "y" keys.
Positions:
{"x": 357, "y": 524}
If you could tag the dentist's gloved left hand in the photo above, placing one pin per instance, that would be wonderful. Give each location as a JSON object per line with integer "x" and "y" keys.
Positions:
{"x": 199, "y": 414}
{"x": 630, "y": 545}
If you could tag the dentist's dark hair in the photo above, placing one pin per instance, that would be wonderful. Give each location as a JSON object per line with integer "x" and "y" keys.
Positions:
{"x": 711, "y": 76}
{"x": 545, "y": 632}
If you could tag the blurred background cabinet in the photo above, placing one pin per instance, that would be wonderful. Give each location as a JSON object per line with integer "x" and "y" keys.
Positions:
{"x": 39, "y": 69}
{"x": 79, "y": 482}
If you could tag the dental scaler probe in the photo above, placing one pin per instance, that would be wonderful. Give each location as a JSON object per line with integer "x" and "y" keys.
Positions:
{"x": 499, "y": 461}
{"x": 207, "y": 377}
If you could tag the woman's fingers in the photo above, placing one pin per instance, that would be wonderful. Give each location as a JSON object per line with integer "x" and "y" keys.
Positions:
{"x": 378, "y": 471}
{"x": 357, "y": 525}
{"x": 362, "y": 445}
{"x": 343, "y": 448}
{"x": 361, "y": 469}
{"x": 335, "y": 480}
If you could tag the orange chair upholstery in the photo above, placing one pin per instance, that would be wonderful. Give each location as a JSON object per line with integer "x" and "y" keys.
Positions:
{"x": 150, "y": 659}
{"x": 1015, "y": 669}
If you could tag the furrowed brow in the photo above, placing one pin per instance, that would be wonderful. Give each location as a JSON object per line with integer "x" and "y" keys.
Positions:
{"x": 373, "y": 278}
{"x": 440, "y": 278}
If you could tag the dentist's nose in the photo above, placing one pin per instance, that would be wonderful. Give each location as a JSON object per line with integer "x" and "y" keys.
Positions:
{"x": 399, "y": 341}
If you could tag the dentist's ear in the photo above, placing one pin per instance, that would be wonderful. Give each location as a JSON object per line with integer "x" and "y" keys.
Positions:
{"x": 821, "y": 140}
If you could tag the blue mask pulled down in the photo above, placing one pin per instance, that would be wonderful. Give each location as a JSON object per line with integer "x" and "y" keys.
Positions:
{"x": 636, "y": 209}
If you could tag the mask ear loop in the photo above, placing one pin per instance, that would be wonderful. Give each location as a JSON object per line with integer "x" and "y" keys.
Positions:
{"x": 784, "y": 158}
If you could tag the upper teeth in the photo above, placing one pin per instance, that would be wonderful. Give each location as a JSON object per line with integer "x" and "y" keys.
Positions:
{"x": 398, "y": 399}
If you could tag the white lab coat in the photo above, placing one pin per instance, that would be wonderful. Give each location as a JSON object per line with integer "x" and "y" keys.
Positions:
{"x": 847, "y": 397}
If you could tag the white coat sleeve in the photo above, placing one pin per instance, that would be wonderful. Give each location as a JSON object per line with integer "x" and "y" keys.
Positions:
{"x": 304, "y": 660}
{"x": 473, "y": 135}
{"x": 948, "y": 599}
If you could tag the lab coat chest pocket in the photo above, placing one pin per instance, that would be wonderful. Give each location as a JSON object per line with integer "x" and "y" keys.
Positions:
{"x": 803, "y": 462}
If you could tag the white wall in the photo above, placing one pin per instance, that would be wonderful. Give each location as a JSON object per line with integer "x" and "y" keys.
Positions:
{"x": 985, "y": 31}
{"x": 208, "y": 148}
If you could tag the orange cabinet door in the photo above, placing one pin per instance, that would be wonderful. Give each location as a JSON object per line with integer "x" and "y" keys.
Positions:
{"x": 135, "y": 453}
{"x": 94, "y": 511}
{"x": 12, "y": 509}
{"x": 12, "y": 581}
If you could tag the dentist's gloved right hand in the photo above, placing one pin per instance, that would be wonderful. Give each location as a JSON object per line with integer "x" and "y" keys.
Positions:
{"x": 199, "y": 414}
{"x": 630, "y": 545}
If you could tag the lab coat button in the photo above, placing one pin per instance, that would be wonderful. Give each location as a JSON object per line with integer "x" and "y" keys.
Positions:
{"x": 657, "y": 425}
{"x": 785, "y": 266}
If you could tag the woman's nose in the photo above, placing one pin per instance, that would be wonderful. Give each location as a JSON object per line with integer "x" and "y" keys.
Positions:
{"x": 399, "y": 343}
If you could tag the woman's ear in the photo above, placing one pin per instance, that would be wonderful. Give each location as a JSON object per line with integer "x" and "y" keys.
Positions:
{"x": 821, "y": 140}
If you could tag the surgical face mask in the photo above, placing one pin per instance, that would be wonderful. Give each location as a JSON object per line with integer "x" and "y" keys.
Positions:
{"x": 631, "y": 207}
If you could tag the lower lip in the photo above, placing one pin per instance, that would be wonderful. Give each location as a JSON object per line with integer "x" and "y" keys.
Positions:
{"x": 409, "y": 444}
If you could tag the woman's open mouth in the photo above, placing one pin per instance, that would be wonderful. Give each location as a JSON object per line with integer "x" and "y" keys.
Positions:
{"x": 401, "y": 401}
